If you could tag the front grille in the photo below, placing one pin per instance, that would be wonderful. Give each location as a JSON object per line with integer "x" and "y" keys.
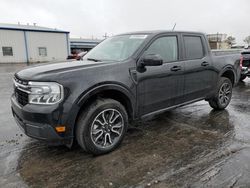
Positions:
{"x": 22, "y": 97}
{"x": 19, "y": 90}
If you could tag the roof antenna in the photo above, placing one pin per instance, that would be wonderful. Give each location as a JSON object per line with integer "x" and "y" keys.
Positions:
{"x": 174, "y": 27}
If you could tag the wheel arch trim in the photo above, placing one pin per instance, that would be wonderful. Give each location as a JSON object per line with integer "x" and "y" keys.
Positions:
{"x": 105, "y": 87}
{"x": 229, "y": 68}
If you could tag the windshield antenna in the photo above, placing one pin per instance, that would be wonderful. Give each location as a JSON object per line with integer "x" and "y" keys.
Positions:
{"x": 174, "y": 27}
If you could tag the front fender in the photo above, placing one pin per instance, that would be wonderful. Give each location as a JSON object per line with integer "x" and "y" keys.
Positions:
{"x": 105, "y": 86}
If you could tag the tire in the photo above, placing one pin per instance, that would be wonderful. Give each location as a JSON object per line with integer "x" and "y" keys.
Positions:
{"x": 223, "y": 94}
{"x": 101, "y": 126}
{"x": 242, "y": 77}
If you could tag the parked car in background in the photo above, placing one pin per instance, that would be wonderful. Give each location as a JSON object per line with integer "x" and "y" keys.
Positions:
{"x": 245, "y": 62}
{"x": 77, "y": 56}
{"x": 124, "y": 78}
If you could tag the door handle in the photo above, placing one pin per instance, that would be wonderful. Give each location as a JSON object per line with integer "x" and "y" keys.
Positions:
{"x": 204, "y": 64}
{"x": 175, "y": 68}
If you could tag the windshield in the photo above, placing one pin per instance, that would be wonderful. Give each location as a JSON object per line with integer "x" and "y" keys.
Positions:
{"x": 116, "y": 48}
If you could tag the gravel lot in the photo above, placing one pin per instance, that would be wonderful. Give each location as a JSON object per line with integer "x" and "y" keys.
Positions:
{"x": 192, "y": 146}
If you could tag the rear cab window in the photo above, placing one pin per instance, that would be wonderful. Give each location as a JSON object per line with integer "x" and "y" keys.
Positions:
{"x": 194, "y": 48}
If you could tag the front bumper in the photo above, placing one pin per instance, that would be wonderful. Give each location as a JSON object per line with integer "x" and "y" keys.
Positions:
{"x": 39, "y": 122}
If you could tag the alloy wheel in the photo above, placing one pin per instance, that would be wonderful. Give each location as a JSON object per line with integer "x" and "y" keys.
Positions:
{"x": 107, "y": 128}
{"x": 225, "y": 94}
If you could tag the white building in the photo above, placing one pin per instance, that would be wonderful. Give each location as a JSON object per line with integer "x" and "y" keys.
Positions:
{"x": 31, "y": 43}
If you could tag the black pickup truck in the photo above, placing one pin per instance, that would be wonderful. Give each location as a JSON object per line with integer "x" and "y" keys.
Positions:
{"x": 126, "y": 77}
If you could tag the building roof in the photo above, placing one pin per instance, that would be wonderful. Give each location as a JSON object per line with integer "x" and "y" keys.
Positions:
{"x": 81, "y": 40}
{"x": 34, "y": 28}
{"x": 83, "y": 43}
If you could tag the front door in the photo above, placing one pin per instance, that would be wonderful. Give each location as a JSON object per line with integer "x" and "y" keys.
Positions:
{"x": 160, "y": 87}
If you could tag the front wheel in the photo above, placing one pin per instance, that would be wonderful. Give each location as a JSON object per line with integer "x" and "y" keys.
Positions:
{"x": 102, "y": 126}
{"x": 223, "y": 94}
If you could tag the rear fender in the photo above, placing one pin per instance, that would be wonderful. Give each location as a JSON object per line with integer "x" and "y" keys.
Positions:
{"x": 230, "y": 69}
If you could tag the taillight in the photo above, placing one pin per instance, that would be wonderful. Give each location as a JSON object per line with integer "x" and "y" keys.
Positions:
{"x": 241, "y": 61}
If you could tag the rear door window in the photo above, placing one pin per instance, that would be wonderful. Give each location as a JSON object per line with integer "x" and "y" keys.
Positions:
{"x": 193, "y": 47}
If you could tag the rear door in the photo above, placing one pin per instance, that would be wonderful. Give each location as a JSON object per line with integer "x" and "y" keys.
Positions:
{"x": 199, "y": 75}
{"x": 160, "y": 87}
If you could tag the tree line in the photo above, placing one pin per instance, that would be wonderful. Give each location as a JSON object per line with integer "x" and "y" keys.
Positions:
{"x": 231, "y": 40}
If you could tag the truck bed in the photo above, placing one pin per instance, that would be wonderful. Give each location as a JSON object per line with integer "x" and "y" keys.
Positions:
{"x": 226, "y": 52}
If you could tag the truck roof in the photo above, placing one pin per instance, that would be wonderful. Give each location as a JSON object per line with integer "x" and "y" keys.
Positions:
{"x": 156, "y": 32}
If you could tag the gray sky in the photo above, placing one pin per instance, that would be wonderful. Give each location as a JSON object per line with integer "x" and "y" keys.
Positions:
{"x": 95, "y": 17}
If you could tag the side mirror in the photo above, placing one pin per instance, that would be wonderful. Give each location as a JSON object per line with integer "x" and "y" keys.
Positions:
{"x": 152, "y": 60}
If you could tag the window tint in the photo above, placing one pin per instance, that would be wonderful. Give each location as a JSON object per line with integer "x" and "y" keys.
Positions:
{"x": 166, "y": 47}
{"x": 7, "y": 51}
{"x": 193, "y": 47}
{"x": 42, "y": 51}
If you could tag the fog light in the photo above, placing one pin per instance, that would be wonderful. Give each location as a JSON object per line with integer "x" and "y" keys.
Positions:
{"x": 60, "y": 129}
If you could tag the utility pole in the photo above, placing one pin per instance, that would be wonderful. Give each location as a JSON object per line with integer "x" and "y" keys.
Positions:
{"x": 217, "y": 43}
{"x": 105, "y": 36}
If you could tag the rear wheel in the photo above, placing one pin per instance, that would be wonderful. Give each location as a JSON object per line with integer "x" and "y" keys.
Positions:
{"x": 223, "y": 94}
{"x": 102, "y": 126}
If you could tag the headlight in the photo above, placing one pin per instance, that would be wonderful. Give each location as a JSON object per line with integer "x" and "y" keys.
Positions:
{"x": 45, "y": 92}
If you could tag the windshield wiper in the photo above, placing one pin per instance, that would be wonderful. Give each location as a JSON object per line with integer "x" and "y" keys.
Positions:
{"x": 92, "y": 59}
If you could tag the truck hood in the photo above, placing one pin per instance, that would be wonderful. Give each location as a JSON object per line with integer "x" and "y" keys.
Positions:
{"x": 50, "y": 70}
